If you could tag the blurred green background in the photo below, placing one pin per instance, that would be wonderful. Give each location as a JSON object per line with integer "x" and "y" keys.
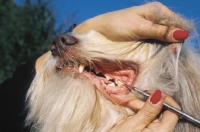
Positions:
{"x": 25, "y": 30}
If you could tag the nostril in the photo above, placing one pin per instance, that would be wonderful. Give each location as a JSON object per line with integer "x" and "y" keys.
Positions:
{"x": 61, "y": 43}
{"x": 67, "y": 39}
{"x": 63, "y": 40}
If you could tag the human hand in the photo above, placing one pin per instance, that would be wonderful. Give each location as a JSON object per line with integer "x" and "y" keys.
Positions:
{"x": 146, "y": 118}
{"x": 149, "y": 21}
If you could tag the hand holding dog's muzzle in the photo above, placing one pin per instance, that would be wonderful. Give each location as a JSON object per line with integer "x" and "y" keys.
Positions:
{"x": 138, "y": 23}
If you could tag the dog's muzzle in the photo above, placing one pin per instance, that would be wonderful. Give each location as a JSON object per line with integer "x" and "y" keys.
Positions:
{"x": 61, "y": 43}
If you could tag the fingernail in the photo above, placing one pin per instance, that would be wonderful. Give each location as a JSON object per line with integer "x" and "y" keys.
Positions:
{"x": 180, "y": 34}
{"x": 156, "y": 97}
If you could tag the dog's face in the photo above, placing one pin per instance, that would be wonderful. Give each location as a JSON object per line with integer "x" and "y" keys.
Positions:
{"x": 104, "y": 62}
{"x": 71, "y": 92}
{"x": 100, "y": 64}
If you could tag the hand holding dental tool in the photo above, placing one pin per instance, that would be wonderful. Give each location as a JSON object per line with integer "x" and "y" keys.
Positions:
{"x": 179, "y": 112}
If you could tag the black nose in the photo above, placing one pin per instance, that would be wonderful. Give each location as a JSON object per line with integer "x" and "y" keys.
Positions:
{"x": 66, "y": 39}
{"x": 61, "y": 43}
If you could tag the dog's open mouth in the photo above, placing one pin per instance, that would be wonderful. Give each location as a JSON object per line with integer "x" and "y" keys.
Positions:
{"x": 105, "y": 75}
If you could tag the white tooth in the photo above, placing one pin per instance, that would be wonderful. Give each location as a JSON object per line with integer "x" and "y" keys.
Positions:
{"x": 81, "y": 68}
{"x": 96, "y": 71}
{"x": 111, "y": 84}
{"x": 108, "y": 77}
{"x": 119, "y": 83}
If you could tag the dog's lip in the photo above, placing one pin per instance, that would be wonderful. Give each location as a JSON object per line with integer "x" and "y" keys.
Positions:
{"x": 127, "y": 75}
{"x": 106, "y": 85}
{"x": 103, "y": 74}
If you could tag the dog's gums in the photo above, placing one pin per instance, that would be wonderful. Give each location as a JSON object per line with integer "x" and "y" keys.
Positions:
{"x": 101, "y": 72}
{"x": 104, "y": 80}
{"x": 109, "y": 84}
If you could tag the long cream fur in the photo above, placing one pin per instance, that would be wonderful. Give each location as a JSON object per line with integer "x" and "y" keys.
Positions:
{"x": 67, "y": 101}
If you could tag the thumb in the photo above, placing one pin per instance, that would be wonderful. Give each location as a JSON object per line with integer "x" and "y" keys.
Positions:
{"x": 165, "y": 33}
{"x": 148, "y": 113}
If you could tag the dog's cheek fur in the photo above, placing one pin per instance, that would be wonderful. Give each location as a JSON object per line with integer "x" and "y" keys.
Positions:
{"x": 67, "y": 102}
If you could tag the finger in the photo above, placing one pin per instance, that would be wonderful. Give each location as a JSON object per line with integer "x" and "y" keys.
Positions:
{"x": 148, "y": 10}
{"x": 169, "y": 118}
{"x": 168, "y": 34}
{"x": 163, "y": 33}
{"x": 156, "y": 23}
{"x": 128, "y": 101}
{"x": 148, "y": 113}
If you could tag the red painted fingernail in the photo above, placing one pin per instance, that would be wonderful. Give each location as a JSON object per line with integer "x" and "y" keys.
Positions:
{"x": 156, "y": 97}
{"x": 180, "y": 34}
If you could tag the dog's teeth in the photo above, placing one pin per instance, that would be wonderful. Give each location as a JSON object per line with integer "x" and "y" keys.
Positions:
{"x": 81, "y": 68}
{"x": 111, "y": 84}
{"x": 108, "y": 77}
{"x": 119, "y": 83}
{"x": 96, "y": 71}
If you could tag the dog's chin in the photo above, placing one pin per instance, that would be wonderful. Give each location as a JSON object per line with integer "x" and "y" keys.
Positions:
{"x": 106, "y": 80}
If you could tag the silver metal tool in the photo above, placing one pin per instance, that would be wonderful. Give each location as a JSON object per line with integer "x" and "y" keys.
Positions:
{"x": 179, "y": 112}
